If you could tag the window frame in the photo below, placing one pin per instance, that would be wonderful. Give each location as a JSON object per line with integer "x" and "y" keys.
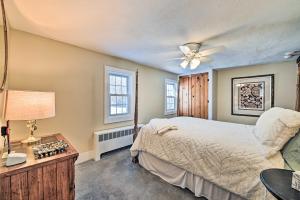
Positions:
{"x": 108, "y": 118}
{"x": 171, "y": 82}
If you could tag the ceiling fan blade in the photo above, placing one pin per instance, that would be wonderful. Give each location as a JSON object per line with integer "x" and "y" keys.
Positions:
{"x": 185, "y": 49}
{"x": 182, "y": 58}
{"x": 205, "y": 59}
{"x": 210, "y": 51}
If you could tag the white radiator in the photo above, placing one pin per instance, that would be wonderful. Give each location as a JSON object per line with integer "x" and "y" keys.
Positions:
{"x": 111, "y": 139}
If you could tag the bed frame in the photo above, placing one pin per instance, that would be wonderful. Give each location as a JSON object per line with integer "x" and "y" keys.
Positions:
{"x": 136, "y": 129}
{"x": 297, "y": 108}
{"x": 135, "y": 159}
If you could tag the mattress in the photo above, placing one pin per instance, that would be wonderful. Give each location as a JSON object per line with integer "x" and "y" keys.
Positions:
{"x": 225, "y": 154}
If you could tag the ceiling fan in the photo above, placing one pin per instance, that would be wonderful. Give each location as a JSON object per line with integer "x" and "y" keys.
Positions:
{"x": 193, "y": 56}
{"x": 291, "y": 54}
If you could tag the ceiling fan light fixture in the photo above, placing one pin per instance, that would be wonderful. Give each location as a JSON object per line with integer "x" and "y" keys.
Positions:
{"x": 194, "y": 63}
{"x": 184, "y": 64}
{"x": 193, "y": 55}
{"x": 185, "y": 49}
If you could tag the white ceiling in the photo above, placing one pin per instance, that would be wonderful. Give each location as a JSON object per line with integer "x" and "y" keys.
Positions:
{"x": 150, "y": 31}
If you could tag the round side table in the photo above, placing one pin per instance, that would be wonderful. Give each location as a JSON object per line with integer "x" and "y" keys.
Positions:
{"x": 279, "y": 183}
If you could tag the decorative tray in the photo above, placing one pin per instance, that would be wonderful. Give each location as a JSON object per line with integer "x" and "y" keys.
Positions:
{"x": 49, "y": 149}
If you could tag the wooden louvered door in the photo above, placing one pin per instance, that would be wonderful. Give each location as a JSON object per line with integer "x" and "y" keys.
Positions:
{"x": 199, "y": 92}
{"x": 184, "y": 96}
{"x": 193, "y": 95}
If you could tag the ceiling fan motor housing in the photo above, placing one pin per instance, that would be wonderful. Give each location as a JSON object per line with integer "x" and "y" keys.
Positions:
{"x": 193, "y": 46}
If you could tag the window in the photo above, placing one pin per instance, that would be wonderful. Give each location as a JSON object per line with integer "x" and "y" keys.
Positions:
{"x": 170, "y": 97}
{"x": 119, "y": 95}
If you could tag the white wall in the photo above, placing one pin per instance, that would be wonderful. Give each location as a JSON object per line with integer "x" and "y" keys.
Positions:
{"x": 77, "y": 77}
{"x": 214, "y": 103}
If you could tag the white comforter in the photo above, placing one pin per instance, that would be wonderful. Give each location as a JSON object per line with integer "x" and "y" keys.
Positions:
{"x": 226, "y": 154}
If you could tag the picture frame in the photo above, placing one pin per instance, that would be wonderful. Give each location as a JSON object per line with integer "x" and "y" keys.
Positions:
{"x": 252, "y": 95}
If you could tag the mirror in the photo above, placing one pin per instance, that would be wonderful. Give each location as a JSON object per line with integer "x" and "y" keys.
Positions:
{"x": 3, "y": 47}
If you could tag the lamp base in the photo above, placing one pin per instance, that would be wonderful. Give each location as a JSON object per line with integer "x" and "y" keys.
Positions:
{"x": 5, "y": 154}
{"x": 31, "y": 140}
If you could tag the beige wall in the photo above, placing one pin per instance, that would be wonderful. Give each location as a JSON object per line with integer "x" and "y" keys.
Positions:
{"x": 76, "y": 76}
{"x": 284, "y": 88}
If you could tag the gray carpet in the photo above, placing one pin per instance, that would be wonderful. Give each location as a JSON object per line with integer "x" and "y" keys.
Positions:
{"x": 115, "y": 177}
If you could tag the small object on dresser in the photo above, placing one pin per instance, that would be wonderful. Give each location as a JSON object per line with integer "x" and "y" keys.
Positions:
{"x": 15, "y": 158}
{"x": 49, "y": 149}
{"x": 296, "y": 180}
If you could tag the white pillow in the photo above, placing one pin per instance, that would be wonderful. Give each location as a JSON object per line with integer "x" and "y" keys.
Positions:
{"x": 275, "y": 127}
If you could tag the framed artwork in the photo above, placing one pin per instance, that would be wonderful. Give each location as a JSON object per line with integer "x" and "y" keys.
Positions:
{"x": 252, "y": 95}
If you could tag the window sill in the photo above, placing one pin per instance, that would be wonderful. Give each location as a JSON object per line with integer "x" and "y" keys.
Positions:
{"x": 116, "y": 119}
{"x": 171, "y": 113}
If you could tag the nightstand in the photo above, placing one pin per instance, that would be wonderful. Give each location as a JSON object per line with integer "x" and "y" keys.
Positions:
{"x": 278, "y": 182}
{"x": 47, "y": 178}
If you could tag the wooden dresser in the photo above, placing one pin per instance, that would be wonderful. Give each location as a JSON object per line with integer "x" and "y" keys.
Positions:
{"x": 47, "y": 178}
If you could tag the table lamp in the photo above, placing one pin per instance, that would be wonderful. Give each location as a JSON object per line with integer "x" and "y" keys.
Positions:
{"x": 30, "y": 106}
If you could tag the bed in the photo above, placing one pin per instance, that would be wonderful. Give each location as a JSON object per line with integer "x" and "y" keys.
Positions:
{"x": 217, "y": 160}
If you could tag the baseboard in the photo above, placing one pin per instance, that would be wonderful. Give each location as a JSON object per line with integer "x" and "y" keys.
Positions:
{"x": 85, "y": 156}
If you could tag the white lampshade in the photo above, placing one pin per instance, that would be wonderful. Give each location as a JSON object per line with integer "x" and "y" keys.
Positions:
{"x": 29, "y": 105}
{"x": 194, "y": 63}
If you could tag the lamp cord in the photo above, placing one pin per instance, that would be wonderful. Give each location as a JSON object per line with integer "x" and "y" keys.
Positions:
{"x": 4, "y": 141}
